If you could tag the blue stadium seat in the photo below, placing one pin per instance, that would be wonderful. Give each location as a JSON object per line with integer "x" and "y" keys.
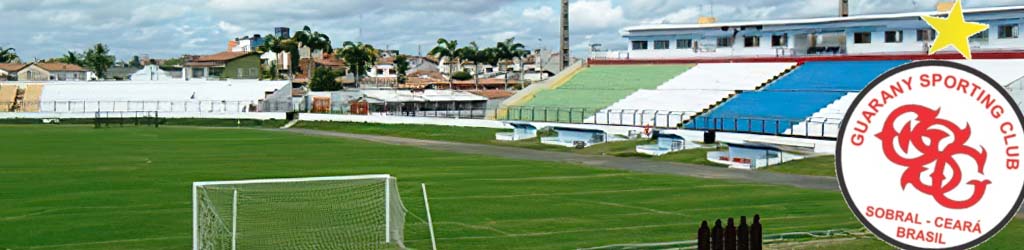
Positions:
{"x": 850, "y": 76}
{"x": 792, "y": 98}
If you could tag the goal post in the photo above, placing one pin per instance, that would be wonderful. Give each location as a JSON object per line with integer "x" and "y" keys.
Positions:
{"x": 338, "y": 212}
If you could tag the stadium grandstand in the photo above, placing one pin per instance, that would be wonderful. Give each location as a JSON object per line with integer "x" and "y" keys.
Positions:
{"x": 793, "y": 98}
{"x": 689, "y": 93}
{"x": 593, "y": 89}
{"x": 162, "y": 96}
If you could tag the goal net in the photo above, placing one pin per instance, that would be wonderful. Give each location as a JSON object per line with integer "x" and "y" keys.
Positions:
{"x": 344, "y": 212}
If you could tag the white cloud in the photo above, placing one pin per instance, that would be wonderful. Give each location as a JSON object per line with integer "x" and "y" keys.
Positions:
{"x": 41, "y": 38}
{"x": 157, "y": 12}
{"x": 500, "y": 36}
{"x": 229, "y": 28}
{"x": 687, "y": 15}
{"x": 595, "y": 14}
{"x": 194, "y": 43}
{"x": 66, "y": 17}
{"x": 545, "y": 13}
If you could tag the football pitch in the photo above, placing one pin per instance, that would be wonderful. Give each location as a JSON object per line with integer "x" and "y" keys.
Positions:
{"x": 75, "y": 187}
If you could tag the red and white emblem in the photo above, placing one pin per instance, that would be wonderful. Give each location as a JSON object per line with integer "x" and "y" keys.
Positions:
{"x": 929, "y": 156}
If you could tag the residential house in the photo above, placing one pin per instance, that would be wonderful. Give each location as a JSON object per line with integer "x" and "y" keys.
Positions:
{"x": 223, "y": 65}
{"x": 53, "y": 72}
{"x": 385, "y": 68}
{"x": 245, "y": 43}
{"x": 9, "y": 71}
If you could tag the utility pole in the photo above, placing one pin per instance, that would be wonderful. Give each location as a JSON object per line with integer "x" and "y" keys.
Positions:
{"x": 565, "y": 35}
{"x": 844, "y": 8}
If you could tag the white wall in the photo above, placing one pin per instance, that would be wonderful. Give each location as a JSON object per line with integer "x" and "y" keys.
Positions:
{"x": 247, "y": 116}
{"x": 877, "y": 45}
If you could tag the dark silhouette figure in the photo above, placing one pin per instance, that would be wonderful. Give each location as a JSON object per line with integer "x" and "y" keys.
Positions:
{"x": 704, "y": 236}
{"x": 730, "y": 235}
{"x": 717, "y": 236}
{"x": 743, "y": 235}
{"x": 755, "y": 233}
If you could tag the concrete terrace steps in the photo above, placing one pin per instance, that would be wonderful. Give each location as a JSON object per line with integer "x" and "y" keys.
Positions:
{"x": 759, "y": 87}
{"x": 825, "y": 122}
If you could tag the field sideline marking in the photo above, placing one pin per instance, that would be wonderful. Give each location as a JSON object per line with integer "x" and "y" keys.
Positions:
{"x": 62, "y": 246}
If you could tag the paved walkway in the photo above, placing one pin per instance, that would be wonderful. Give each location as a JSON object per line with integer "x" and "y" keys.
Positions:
{"x": 610, "y": 162}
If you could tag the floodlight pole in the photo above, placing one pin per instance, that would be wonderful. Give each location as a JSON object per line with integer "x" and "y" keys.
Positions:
{"x": 430, "y": 222}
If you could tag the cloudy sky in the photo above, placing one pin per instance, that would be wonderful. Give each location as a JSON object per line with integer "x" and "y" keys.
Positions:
{"x": 48, "y": 28}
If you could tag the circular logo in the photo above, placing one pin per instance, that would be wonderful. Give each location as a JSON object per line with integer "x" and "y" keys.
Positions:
{"x": 929, "y": 156}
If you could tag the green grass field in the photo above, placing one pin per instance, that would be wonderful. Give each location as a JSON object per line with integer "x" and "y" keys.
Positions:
{"x": 75, "y": 187}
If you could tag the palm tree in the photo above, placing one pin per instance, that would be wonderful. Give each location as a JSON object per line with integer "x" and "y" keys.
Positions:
{"x": 507, "y": 51}
{"x": 72, "y": 58}
{"x": 271, "y": 43}
{"x": 521, "y": 55}
{"x": 359, "y": 57}
{"x": 8, "y": 55}
{"x": 493, "y": 56}
{"x": 473, "y": 54}
{"x": 314, "y": 40}
{"x": 446, "y": 51}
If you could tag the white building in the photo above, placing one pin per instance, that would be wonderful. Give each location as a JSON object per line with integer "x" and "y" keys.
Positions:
{"x": 151, "y": 72}
{"x": 903, "y": 33}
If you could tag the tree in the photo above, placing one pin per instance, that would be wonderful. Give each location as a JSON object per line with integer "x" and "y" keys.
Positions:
{"x": 473, "y": 54}
{"x": 324, "y": 80}
{"x": 462, "y": 76}
{"x": 359, "y": 57}
{"x": 446, "y": 51}
{"x": 506, "y": 52}
{"x": 171, "y": 63}
{"x": 277, "y": 45}
{"x": 313, "y": 40}
{"x": 269, "y": 73}
{"x": 402, "y": 66}
{"x": 135, "y": 62}
{"x": 72, "y": 58}
{"x": 98, "y": 59}
{"x": 8, "y": 55}
{"x": 491, "y": 57}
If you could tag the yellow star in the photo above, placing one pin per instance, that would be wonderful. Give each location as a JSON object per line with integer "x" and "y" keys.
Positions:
{"x": 954, "y": 31}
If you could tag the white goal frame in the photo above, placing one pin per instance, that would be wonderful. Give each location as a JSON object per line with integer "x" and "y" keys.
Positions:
{"x": 234, "y": 210}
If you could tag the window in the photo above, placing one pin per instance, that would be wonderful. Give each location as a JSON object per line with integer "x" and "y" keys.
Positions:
{"x": 1008, "y": 31}
{"x": 663, "y": 44}
{"x": 380, "y": 71}
{"x": 751, "y": 41}
{"x": 684, "y": 43}
{"x": 253, "y": 72}
{"x": 862, "y": 37}
{"x": 639, "y": 45}
{"x": 780, "y": 40}
{"x": 980, "y": 37}
{"x": 724, "y": 42}
{"x": 925, "y": 35}
{"x": 241, "y": 73}
{"x": 894, "y": 36}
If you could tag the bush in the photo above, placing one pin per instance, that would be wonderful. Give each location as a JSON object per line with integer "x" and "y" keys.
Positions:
{"x": 324, "y": 80}
{"x": 462, "y": 76}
